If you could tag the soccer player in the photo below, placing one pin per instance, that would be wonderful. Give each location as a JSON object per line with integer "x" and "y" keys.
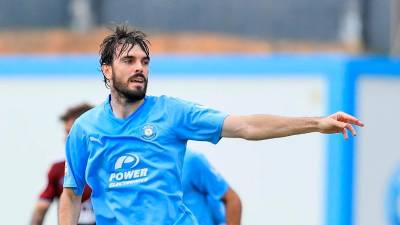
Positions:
{"x": 393, "y": 199}
{"x": 207, "y": 194}
{"x": 55, "y": 179}
{"x": 130, "y": 149}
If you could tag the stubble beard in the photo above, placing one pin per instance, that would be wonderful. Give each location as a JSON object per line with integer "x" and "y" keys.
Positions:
{"x": 129, "y": 95}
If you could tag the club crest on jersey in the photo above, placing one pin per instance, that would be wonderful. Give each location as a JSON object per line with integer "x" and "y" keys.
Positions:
{"x": 149, "y": 132}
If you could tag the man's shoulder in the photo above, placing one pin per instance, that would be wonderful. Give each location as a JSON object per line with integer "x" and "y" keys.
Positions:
{"x": 87, "y": 122}
{"x": 93, "y": 113}
{"x": 57, "y": 168}
{"x": 58, "y": 164}
{"x": 164, "y": 103}
{"x": 167, "y": 99}
{"x": 91, "y": 116}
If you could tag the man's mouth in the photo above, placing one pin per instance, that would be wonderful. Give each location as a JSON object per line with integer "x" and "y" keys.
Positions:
{"x": 137, "y": 79}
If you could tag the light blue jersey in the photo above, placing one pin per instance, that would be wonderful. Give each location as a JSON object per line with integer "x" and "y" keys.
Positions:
{"x": 203, "y": 188}
{"x": 393, "y": 199}
{"x": 134, "y": 165}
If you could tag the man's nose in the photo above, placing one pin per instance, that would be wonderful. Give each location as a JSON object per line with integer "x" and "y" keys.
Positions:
{"x": 138, "y": 67}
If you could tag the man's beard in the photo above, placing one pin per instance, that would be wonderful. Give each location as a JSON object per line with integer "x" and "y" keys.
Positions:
{"x": 130, "y": 95}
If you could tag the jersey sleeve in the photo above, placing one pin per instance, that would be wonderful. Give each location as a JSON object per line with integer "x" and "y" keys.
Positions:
{"x": 207, "y": 179}
{"x": 217, "y": 210}
{"x": 196, "y": 122}
{"x": 76, "y": 160}
{"x": 49, "y": 193}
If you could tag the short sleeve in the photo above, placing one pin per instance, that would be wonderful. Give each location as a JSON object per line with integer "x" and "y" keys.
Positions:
{"x": 218, "y": 210}
{"x": 49, "y": 193}
{"x": 207, "y": 179}
{"x": 196, "y": 122}
{"x": 76, "y": 160}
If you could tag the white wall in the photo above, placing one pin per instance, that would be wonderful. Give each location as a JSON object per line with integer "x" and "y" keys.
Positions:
{"x": 377, "y": 147}
{"x": 281, "y": 182}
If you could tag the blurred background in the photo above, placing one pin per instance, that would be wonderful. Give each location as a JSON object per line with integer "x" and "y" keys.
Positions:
{"x": 260, "y": 25}
{"x": 288, "y": 57}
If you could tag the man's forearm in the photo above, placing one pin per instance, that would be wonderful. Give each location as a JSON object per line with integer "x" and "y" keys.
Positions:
{"x": 69, "y": 208}
{"x": 37, "y": 218}
{"x": 261, "y": 127}
{"x": 268, "y": 126}
{"x": 39, "y": 213}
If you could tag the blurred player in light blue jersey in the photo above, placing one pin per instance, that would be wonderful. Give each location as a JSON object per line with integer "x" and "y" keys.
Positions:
{"x": 207, "y": 194}
{"x": 393, "y": 199}
{"x": 130, "y": 149}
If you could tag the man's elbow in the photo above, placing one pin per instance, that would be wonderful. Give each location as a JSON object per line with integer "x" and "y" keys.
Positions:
{"x": 69, "y": 207}
{"x": 69, "y": 193}
{"x": 246, "y": 132}
{"x": 238, "y": 127}
{"x": 252, "y": 134}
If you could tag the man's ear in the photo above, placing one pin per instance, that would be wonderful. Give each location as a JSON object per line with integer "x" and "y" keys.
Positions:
{"x": 107, "y": 71}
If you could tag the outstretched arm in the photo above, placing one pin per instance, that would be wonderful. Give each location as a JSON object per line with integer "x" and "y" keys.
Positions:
{"x": 233, "y": 207}
{"x": 260, "y": 127}
{"x": 70, "y": 205}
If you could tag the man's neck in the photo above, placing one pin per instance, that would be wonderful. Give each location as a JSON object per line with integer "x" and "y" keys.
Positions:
{"x": 122, "y": 107}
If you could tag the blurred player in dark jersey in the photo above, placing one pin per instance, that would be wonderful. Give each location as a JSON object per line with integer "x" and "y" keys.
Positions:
{"x": 55, "y": 179}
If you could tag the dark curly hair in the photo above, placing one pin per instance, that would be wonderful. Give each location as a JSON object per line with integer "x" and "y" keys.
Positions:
{"x": 125, "y": 37}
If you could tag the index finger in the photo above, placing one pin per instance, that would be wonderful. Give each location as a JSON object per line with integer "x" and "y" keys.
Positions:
{"x": 350, "y": 119}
